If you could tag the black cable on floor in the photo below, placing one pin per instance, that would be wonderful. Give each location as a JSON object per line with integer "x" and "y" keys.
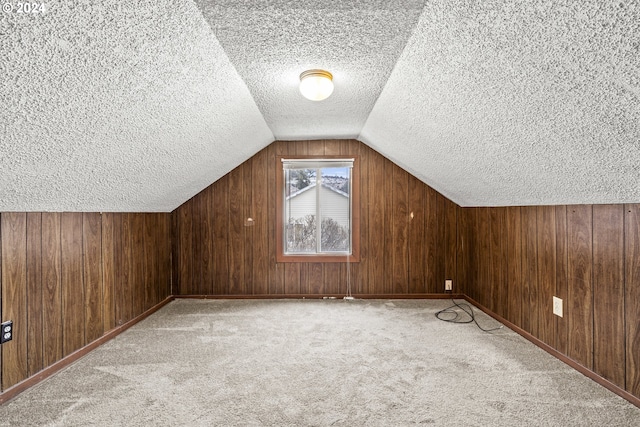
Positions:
{"x": 468, "y": 310}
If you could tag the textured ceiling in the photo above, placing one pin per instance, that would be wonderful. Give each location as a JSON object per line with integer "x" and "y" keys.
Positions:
{"x": 118, "y": 107}
{"x": 123, "y": 106}
{"x": 518, "y": 103}
{"x": 271, "y": 42}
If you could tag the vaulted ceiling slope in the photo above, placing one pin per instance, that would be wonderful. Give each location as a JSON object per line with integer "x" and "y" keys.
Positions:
{"x": 118, "y": 106}
{"x": 518, "y": 102}
{"x": 123, "y": 106}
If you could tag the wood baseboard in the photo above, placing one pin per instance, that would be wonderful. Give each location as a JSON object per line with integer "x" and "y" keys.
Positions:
{"x": 15, "y": 390}
{"x": 321, "y": 296}
{"x": 555, "y": 353}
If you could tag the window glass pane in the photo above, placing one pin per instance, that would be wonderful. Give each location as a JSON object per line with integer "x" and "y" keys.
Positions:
{"x": 335, "y": 209}
{"x": 300, "y": 211}
{"x": 317, "y": 209}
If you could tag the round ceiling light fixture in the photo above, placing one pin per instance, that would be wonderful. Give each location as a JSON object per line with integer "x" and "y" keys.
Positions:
{"x": 316, "y": 85}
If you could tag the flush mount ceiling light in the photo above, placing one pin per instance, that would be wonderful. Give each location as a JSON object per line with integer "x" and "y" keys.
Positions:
{"x": 316, "y": 85}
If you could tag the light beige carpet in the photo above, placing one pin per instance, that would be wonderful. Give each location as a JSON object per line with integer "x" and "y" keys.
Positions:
{"x": 316, "y": 363}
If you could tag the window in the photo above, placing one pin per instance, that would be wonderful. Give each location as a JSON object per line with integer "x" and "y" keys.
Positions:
{"x": 318, "y": 202}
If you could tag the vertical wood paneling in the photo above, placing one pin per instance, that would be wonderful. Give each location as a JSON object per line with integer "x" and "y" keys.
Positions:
{"x": 546, "y": 283}
{"x": 60, "y": 273}
{"x": 235, "y": 240}
{"x": 150, "y": 264}
{"x": 562, "y": 287}
{"x": 247, "y": 232}
{"x": 376, "y": 207}
{"x": 483, "y": 291}
{"x": 13, "y": 232}
{"x": 52, "y": 287}
{"x": 431, "y": 244}
{"x": 186, "y": 273}
{"x": 92, "y": 267}
{"x": 163, "y": 240}
{"x": 72, "y": 283}
{"x": 450, "y": 241}
{"x": 35, "y": 347}
{"x": 360, "y": 276}
{"x": 608, "y": 293}
{"x": 398, "y": 255}
{"x": 529, "y": 268}
{"x": 220, "y": 227}
{"x": 496, "y": 272}
{"x": 400, "y": 249}
{"x": 126, "y": 269}
{"x": 514, "y": 267}
{"x": 462, "y": 253}
{"x": 388, "y": 230}
{"x": 138, "y": 256}
{"x": 259, "y": 213}
{"x": 416, "y": 235}
{"x": 579, "y": 268}
{"x": 632, "y": 298}
{"x": 199, "y": 213}
{"x": 108, "y": 272}
{"x": 119, "y": 273}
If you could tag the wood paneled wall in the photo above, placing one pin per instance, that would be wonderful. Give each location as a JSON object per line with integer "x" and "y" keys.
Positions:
{"x": 216, "y": 254}
{"x": 68, "y": 278}
{"x": 516, "y": 259}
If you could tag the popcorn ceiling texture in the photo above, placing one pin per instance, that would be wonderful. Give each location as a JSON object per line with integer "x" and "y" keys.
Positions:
{"x": 518, "y": 103}
{"x": 137, "y": 106}
{"x": 272, "y": 42}
{"x": 118, "y": 106}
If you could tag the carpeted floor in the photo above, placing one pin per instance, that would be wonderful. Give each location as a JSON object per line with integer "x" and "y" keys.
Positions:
{"x": 316, "y": 363}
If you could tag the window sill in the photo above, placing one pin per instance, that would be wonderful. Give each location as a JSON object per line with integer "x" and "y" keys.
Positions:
{"x": 317, "y": 258}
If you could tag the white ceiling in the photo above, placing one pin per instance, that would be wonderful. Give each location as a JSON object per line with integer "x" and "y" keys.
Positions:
{"x": 123, "y": 106}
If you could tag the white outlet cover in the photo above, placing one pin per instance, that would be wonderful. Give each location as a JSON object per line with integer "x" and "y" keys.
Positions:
{"x": 557, "y": 306}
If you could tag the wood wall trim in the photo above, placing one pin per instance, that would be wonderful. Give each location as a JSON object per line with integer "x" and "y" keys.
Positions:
{"x": 18, "y": 388}
{"x": 555, "y": 353}
{"x": 336, "y": 296}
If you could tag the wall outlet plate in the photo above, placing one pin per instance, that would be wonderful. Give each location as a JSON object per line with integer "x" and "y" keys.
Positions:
{"x": 557, "y": 306}
{"x": 448, "y": 285}
{"x": 6, "y": 331}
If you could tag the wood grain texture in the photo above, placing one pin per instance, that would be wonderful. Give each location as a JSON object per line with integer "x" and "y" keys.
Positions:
{"x": 220, "y": 236}
{"x": 416, "y": 210}
{"x": 608, "y": 293}
{"x": 92, "y": 268}
{"x": 35, "y": 346}
{"x": 562, "y": 284}
{"x": 513, "y": 311}
{"x": 497, "y": 271}
{"x": 579, "y": 268}
{"x": 69, "y": 278}
{"x": 73, "y": 315}
{"x": 450, "y": 241}
{"x": 13, "y": 232}
{"x": 235, "y": 232}
{"x": 138, "y": 256}
{"x": 400, "y": 226}
{"x": 546, "y": 283}
{"x": 52, "y": 287}
{"x": 108, "y": 272}
{"x": 632, "y": 298}
{"x": 395, "y": 255}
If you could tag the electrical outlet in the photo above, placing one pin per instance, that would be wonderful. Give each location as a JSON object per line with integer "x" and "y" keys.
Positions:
{"x": 557, "y": 306}
{"x": 6, "y": 331}
{"x": 448, "y": 285}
